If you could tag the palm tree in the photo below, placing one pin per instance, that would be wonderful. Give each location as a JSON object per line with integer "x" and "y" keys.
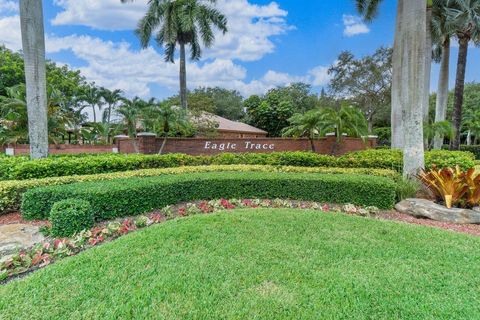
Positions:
{"x": 93, "y": 97}
{"x": 181, "y": 22}
{"x": 464, "y": 17}
{"x": 471, "y": 125}
{"x": 111, "y": 98}
{"x": 131, "y": 111}
{"x": 348, "y": 121}
{"x": 408, "y": 85}
{"x": 170, "y": 119}
{"x": 33, "y": 43}
{"x": 304, "y": 125}
{"x": 440, "y": 128}
{"x": 441, "y": 37}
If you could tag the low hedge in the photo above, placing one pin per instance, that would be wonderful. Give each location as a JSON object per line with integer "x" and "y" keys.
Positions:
{"x": 133, "y": 196}
{"x": 393, "y": 159}
{"x": 11, "y": 191}
{"x": 475, "y": 149}
{"x": 84, "y": 165}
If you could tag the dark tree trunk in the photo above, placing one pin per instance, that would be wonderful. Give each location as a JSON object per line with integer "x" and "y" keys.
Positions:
{"x": 183, "y": 77}
{"x": 312, "y": 144}
{"x": 459, "y": 87}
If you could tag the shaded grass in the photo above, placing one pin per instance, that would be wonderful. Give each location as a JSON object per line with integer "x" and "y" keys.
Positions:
{"x": 260, "y": 264}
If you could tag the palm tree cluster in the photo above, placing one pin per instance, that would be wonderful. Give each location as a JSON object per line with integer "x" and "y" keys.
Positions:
{"x": 422, "y": 28}
{"x": 316, "y": 123}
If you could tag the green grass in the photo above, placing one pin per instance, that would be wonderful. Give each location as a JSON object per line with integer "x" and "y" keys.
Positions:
{"x": 260, "y": 264}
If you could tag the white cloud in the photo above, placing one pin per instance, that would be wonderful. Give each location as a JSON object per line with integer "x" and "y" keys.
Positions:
{"x": 8, "y": 6}
{"x": 117, "y": 65}
{"x": 250, "y": 26}
{"x": 10, "y": 34}
{"x": 354, "y": 26}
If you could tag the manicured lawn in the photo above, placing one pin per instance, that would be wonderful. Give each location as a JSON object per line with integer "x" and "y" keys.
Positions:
{"x": 260, "y": 264}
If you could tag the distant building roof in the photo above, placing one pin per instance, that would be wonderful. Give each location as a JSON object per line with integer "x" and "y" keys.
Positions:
{"x": 229, "y": 125}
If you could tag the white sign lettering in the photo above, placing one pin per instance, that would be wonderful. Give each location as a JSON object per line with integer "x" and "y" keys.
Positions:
{"x": 246, "y": 146}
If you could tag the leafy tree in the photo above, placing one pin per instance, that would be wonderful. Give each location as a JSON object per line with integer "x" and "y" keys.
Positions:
{"x": 272, "y": 111}
{"x": 183, "y": 22}
{"x": 170, "y": 120}
{"x": 366, "y": 81}
{"x": 131, "y": 112}
{"x": 347, "y": 120}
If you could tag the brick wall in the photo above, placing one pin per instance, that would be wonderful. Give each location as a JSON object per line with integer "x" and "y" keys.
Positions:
{"x": 205, "y": 146}
{"x": 65, "y": 149}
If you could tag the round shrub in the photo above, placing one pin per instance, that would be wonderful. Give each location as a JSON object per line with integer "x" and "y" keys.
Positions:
{"x": 71, "y": 216}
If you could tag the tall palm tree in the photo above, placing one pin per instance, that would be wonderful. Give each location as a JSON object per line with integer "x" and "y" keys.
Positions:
{"x": 441, "y": 34}
{"x": 111, "y": 98}
{"x": 92, "y": 96}
{"x": 33, "y": 43}
{"x": 464, "y": 17}
{"x": 182, "y": 23}
{"x": 408, "y": 85}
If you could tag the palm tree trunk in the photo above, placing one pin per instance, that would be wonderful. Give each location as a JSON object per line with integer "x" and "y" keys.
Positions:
{"x": 33, "y": 42}
{"x": 396, "y": 115}
{"x": 442, "y": 92}
{"x": 164, "y": 142}
{"x": 94, "y": 114}
{"x": 469, "y": 138}
{"x": 183, "y": 77}
{"x": 428, "y": 66}
{"x": 459, "y": 87}
{"x": 409, "y": 81}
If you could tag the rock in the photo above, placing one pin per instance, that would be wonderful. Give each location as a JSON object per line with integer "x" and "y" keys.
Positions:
{"x": 18, "y": 236}
{"x": 428, "y": 209}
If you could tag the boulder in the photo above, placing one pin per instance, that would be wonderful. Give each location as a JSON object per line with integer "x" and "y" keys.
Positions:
{"x": 422, "y": 208}
{"x": 18, "y": 236}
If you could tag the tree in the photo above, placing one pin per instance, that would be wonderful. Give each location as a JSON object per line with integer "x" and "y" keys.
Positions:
{"x": 131, "y": 113}
{"x": 33, "y": 43}
{"x": 185, "y": 22}
{"x": 347, "y": 120}
{"x": 465, "y": 19}
{"x": 366, "y": 81}
{"x": 408, "y": 82}
{"x": 92, "y": 96}
{"x": 304, "y": 125}
{"x": 111, "y": 99}
{"x": 441, "y": 37}
{"x": 170, "y": 119}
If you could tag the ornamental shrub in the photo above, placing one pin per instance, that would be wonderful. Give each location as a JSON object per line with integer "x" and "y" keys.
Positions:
{"x": 11, "y": 191}
{"x": 134, "y": 196}
{"x": 70, "y": 216}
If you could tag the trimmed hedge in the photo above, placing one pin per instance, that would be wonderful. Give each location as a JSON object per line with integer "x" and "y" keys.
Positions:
{"x": 71, "y": 216}
{"x": 84, "y": 165}
{"x": 11, "y": 191}
{"x": 393, "y": 159}
{"x": 117, "y": 198}
{"x": 475, "y": 149}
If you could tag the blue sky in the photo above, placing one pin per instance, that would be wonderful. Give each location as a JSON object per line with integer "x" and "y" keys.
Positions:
{"x": 269, "y": 44}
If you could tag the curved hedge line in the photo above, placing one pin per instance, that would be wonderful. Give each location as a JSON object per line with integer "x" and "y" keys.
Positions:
{"x": 11, "y": 191}
{"x": 117, "y": 198}
{"x": 21, "y": 169}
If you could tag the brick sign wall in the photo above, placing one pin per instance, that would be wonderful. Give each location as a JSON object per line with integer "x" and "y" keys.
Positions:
{"x": 204, "y": 146}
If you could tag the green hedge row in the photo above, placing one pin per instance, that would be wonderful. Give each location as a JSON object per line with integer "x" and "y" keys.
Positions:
{"x": 11, "y": 191}
{"x": 67, "y": 166}
{"x": 117, "y": 198}
{"x": 475, "y": 149}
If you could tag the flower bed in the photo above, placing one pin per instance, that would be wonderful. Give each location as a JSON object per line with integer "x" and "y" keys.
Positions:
{"x": 45, "y": 253}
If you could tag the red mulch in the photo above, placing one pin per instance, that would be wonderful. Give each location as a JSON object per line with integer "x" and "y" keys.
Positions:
{"x": 472, "y": 229}
{"x": 15, "y": 217}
